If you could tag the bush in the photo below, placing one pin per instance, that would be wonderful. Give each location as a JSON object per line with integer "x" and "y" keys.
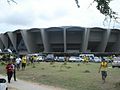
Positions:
{"x": 86, "y": 71}
{"x": 51, "y": 63}
{"x": 65, "y": 63}
{"x": 78, "y": 64}
{"x": 3, "y": 63}
{"x": 68, "y": 67}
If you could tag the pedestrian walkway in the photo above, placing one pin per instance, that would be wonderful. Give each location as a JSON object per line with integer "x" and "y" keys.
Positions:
{"x": 24, "y": 85}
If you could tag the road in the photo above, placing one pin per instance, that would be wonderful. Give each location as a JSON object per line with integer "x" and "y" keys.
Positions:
{"x": 24, "y": 85}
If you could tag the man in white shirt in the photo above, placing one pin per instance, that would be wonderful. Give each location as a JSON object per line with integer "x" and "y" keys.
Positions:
{"x": 18, "y": 61}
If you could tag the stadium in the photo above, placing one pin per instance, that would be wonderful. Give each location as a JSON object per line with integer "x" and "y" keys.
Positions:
{"x": 66, "y": 39}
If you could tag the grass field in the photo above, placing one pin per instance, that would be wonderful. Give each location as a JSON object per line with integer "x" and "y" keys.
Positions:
{"x": 72, "y": 76}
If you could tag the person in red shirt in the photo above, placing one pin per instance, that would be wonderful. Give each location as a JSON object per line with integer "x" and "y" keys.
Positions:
{"x": 9, "y": 69}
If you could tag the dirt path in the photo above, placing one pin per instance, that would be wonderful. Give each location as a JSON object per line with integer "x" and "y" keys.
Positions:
{"x": 24, "y": 85}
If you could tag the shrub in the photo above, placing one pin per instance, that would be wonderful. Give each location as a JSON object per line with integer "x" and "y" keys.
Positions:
{"x": 3, "y": 63}
{"x": 86, "y": 71}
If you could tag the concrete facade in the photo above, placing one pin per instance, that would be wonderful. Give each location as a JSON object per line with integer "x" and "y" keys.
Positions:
{"x": 62, "y": 39}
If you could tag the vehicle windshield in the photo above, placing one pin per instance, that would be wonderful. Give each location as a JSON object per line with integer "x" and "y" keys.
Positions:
{"x": 2, "y": 80}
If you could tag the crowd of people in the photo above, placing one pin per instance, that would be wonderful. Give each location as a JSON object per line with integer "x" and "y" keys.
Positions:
{"x": 15, "y": 62}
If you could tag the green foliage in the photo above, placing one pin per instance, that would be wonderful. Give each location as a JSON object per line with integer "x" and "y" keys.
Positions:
{"x": 86, "y": 71}
{"x": 42, "y": 68}
{"x": 34, "y": 66}
{"x": 53, "y": 66}
{"x": 104, "y": 8}
{"x": 51, "y": 63}
{"x": 3, "y": 63}
{"x": 68, "y": 67}
{"x": 65, "y": 63}
{"x": 78, "y": 64}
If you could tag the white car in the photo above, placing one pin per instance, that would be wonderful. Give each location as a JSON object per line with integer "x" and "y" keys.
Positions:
{"x": 116, "y": 63}
{"x": 97, "y": 59}
{"x": 61, "y": 59}
{"x": 40, "y": 58}
{"x": 49, "y": 57}
{"x": 3, "y": 84}
{"x": 75, "y": 59}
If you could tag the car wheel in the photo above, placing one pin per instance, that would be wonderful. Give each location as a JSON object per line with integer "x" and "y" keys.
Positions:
{"x": 6, "y": 88}
{"x": 113, "y": 66}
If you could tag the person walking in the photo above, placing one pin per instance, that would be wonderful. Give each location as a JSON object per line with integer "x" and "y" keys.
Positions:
{"x": 103, "y": 69}
{"x": 18, "y": 61}
{"x": 24, "y": 61}
{"x": 14, "y": 70}
{"x": 9, "y": 69}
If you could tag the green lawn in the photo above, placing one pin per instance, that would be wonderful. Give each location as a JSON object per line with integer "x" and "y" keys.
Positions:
{"x": 71, "y": 76}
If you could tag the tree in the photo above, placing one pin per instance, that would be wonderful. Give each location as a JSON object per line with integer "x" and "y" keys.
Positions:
{"x": 104, "y": 8}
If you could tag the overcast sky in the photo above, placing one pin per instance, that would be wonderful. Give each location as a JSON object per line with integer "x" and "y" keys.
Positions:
{"x": 51, "y": 13}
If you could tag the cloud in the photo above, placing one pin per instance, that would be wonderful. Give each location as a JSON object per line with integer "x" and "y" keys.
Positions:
{"x": 17, "y": 18}
{"x": 26, "y": 12}
{"x": 50, "y": 13}
{"x": 17, "y": 15}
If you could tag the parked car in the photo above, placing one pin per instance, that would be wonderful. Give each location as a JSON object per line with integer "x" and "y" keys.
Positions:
{"x": 107, "y": 59}
{"x": 49, "y": 57}
{"x": 7, "y": 51}
{"x": 90, "y": 57}
{"x": 97, "y": 59}
{"x": 3, "y": 84}
{"x": 75, "y": 59}
{"x": 40, "y": 58}
{"x": 0, "y": 50}
{"x": 61, "y": 59}
{"x": 116, "y": 63}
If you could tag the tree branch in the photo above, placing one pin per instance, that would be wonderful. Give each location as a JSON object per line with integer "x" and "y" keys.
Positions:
{"x": 104, "y": 8}
{"x": 11, "y": 1}
{"x": 77, "y": 3}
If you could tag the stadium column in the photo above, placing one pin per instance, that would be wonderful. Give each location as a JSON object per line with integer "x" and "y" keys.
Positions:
{"x": 4, "y": 40}
{"x": 27, "y": 40}
{"x": 1, "y": 43}
{"x": 12, "y": 38}
{"x": 45, "y": 40}
{"x": 104, "y": 41}
{"x": 85, "y": 39}
{"x": 64, "y": 36}
{"x": 116, "y": 46}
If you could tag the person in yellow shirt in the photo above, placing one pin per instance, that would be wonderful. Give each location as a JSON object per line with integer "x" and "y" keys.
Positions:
{"x": 103, "y": 69}
{"x": 86, "y": 59}
{"x": 24, "y": 61}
